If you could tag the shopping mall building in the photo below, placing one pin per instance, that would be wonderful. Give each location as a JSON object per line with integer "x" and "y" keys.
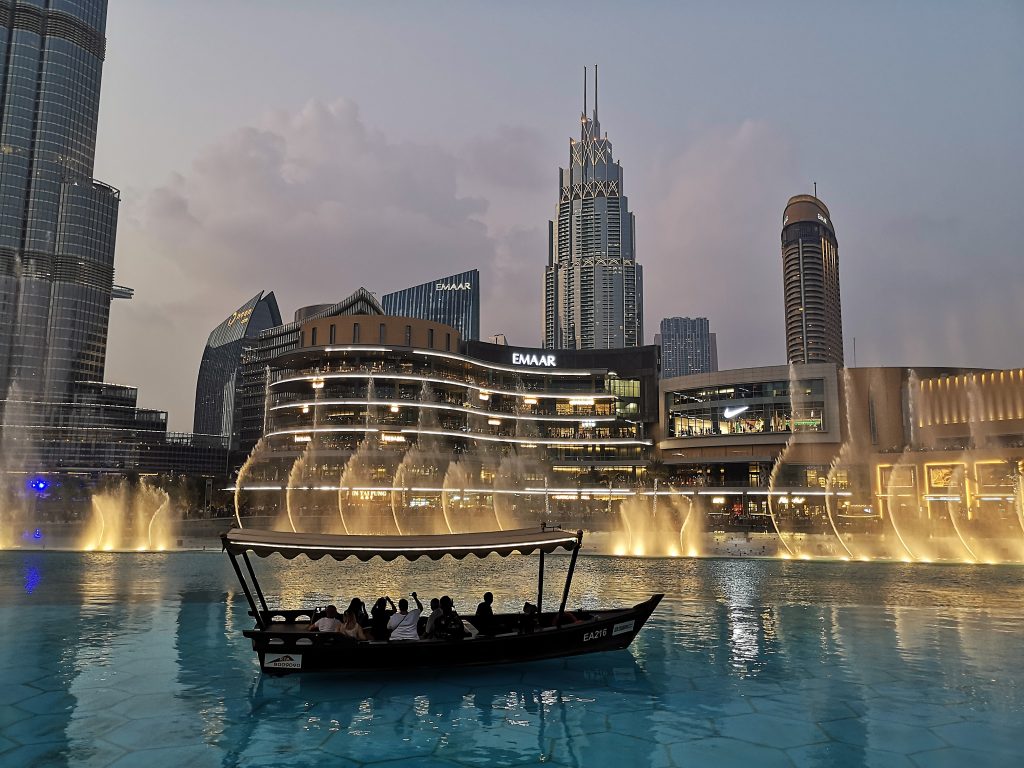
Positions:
{"x": 854, "y": 442}
{"x": 375, "y": 404}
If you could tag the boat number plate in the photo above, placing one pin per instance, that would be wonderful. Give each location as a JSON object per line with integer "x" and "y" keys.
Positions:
{"x": 588, "y": 636}
{"x": 283, "y": 661}
{"x": 623, "y": 627}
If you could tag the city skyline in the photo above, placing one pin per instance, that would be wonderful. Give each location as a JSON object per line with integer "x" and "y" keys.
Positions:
{"x": 710, "y": 166}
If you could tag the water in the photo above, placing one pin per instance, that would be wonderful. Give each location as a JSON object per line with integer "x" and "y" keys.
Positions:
{"x": 137, "y": 660}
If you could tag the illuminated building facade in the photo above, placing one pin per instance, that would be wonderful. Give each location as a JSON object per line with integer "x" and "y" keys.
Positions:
{"x": 453, "y": 300}
{"x": 220, "y": 369}
{"x": 388, "y": 384}
{"x": 259, "y": 356}
{"x": 810, "y": 279}
{"x": 593, "y": 287}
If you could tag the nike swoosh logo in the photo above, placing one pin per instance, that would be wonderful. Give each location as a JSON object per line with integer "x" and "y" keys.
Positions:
{"x": 728, "y": 413}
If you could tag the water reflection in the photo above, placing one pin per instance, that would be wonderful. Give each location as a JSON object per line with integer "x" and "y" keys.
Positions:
{"x": 767, "y": 659}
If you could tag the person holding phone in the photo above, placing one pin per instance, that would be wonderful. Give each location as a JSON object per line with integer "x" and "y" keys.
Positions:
{"x": 402, "y": 625}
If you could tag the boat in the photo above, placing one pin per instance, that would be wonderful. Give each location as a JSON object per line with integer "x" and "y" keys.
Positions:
{"x": 284, "y": 645}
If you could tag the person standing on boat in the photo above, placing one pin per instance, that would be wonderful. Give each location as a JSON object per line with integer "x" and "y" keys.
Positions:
{"x": 403, "y": 625}
{"x": 484, "y": 618}
{"x": 351, "y": 625}
{"x": 329, "y": 622}
{"x": 379, "y": 616}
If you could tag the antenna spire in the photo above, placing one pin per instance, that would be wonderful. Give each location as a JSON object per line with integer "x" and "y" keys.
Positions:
{"x": 595, "y": 93}
{"x": 584, "y": 91}
{"x": 815, "y": 189}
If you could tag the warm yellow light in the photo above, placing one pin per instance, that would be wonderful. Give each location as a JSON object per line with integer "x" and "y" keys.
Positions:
{"x": 619, "y": 551}
{"x": 673, "y": 552}
{"x": 530, "y": 400}
{"x": 638, "y": 551}
{"x": 394, "y": 409}
{"x": 692, "y": 552}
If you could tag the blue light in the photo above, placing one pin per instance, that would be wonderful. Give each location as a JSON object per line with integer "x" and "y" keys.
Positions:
{"x": 37, "y": 534}
{"x": 38, "y": 484}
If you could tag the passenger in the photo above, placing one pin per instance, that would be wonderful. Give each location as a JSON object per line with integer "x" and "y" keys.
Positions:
{"x": 379, "y": 616}
{"x": 329, "y": 622}
{"x": 528, "y": 621}
{"x": 350, "y": 624}
{"x": 484, "y": 618}
{"x": 402, "y": 625}
{"x": 449, "y": 624}
{"x": 435, "y": 612}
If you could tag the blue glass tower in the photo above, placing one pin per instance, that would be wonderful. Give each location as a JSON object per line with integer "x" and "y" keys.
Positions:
{"x": 452, "y": 300}
{"x": 57, "y": 223}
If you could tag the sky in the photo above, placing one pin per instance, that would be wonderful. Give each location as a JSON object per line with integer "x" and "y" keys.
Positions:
{"x": 312, "y": 147}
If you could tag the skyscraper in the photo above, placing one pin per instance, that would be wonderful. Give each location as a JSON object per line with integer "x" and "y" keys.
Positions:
{"x": 453, "y": 300}
{"x": 687, "y": 346}
{"x": 593, "y": 287}
{"x": 810, "y": 279}
{"x": 57, "y": 223}
{"x": 220, "y": 370}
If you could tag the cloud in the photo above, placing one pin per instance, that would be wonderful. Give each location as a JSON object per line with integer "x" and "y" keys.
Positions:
{"x": 707, "y": 237}
{"x": 312, "y": 205}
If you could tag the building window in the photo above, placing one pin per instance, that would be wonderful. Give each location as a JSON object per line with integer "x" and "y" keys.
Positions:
{"x": 408, "y": 335}
{"x": 355, "y": 333}
{"x": 312, "y": 338}
{"x": 447, "y": 342}
{"x": 383, "y": 332}
{"x": 302, "y": 338}
{"x": 430, "y": 337}
{"x": 333, "y": 331}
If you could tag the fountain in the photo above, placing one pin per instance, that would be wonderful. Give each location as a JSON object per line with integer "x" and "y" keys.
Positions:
{"x": 129, "y": 517}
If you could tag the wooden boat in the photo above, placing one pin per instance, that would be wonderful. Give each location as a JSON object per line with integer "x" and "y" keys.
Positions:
{"x": 283, "y": 644}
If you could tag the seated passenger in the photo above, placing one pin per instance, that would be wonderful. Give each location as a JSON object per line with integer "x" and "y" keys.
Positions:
{"x": 484, "y": 618}
{"x": 449, "y": 624}
{"x": 435, "y": 612}
{"x": 379, "y": 616}
{"x": 329, "y": 622}
{"x": 350, "y": 624}
{"x": 402, "y": 625}
{"x": 528, "y": 621}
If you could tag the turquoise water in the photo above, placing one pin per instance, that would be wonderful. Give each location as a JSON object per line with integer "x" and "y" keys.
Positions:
{"x": 137, "y": 660}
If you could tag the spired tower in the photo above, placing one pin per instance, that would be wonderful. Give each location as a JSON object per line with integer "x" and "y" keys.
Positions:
{"x": 57, "y": 223}
{"x": 593, "y": 287}
{"x": 810, "y": 279}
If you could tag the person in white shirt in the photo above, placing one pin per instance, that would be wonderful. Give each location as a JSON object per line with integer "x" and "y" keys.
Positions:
{"x": 329, "y": 622}
{"x": 403, "y": 625}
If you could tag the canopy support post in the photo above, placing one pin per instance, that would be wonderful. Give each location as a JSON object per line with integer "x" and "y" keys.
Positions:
{"x": 248, "y": 594}
{"x": 540, "y": 584}
{"x": 255, "y": 582}
{"x": 568, "y": 578}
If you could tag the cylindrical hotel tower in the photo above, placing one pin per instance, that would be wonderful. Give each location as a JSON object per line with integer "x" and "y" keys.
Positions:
{"x": 810, "y": 278}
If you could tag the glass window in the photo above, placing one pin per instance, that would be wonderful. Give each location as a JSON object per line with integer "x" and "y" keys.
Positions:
{"x": 408, "y": 335}
{"x": 355, "y": 333}
{"x": 430, "y": 337}
{"x": 333, "y": 330}
{"x": 383, "y": 333}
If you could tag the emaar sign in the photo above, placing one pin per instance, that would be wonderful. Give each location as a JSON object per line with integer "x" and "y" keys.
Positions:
{"x": 452, "y": 287}
{"x": 521, "y": 358}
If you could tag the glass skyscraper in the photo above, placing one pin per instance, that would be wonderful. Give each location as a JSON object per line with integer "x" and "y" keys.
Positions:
{"x": 452, "y": 300}
{"x": 220, "y": 370}
{"x": 593, "y": 287}
{"x": 57, "y": 223}
{"x": 687, "y": 346}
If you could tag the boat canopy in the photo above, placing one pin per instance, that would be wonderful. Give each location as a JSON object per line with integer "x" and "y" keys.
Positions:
{"x": 317, "y": 545}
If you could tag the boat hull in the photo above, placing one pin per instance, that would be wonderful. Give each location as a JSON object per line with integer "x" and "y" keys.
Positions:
{"x": 283, "y": 650}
